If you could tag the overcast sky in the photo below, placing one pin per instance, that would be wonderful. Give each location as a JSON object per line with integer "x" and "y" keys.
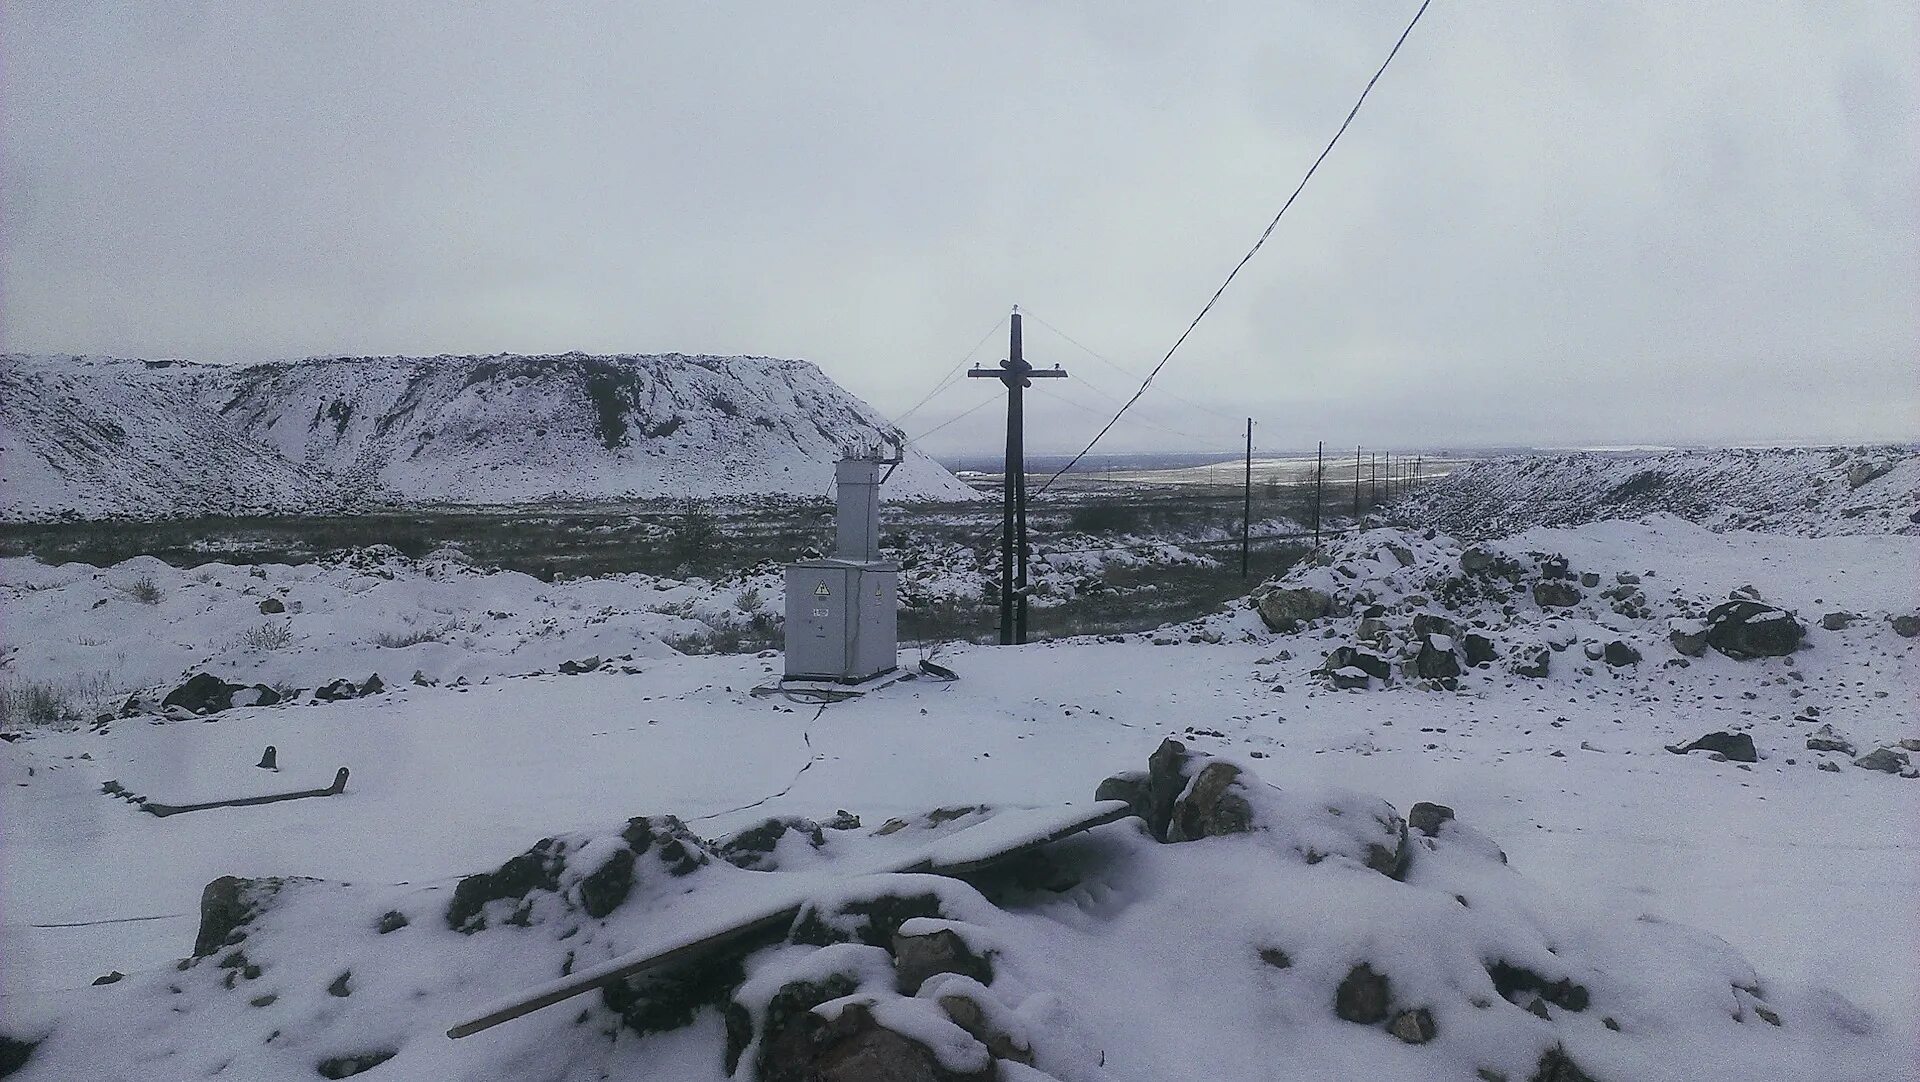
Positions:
{"x": 1554, "y": 223}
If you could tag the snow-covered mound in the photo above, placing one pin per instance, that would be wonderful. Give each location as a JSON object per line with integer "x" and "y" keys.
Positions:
{"x": 97, "y": 634}
{"x": 1232, "y": 926}
{"x": 119, "y": 438}
{"x": 135, "y": 439}
{"x": 1783, "y": 636}
{"x": 1809, "y": 491}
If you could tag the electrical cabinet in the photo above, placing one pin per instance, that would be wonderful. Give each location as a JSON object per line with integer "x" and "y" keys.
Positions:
{"x": 842, "y": 620}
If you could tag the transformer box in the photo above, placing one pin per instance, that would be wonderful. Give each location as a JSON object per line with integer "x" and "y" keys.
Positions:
{"x": 842, "y": 620}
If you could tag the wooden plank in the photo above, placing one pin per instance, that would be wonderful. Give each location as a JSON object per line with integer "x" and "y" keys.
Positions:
{"x": 153, "y": 807}
{"x": 970, "y": 850}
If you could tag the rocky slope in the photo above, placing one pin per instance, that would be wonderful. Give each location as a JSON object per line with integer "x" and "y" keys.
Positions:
{"x": 97, "y": 438}
{"x": 1813, "y": 492}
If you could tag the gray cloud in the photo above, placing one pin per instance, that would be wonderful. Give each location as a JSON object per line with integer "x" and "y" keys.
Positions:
{"x": 1553, "y": 223}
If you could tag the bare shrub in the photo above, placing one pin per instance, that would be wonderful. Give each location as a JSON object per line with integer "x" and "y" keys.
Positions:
{"x": 265, "y": 638}
{"x": 145, "y": 590}
{"x": 34, "y": 704}
{"x": 390, "y": 640}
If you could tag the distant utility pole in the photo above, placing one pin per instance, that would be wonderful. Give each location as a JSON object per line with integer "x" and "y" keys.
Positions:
{"x": 1386, "y": 473}
{"x": 1356, "y": 486}
{"x": 1015, "y": 372}
{"x": 1246, "y": 502}
{"x": 1319, "y": 476}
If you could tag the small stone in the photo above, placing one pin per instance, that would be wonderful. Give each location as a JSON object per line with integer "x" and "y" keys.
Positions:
{"x": 1414, "y": 1026}
{"x": 1276, "y": 958}
{"x": 1735, "y": 746}
{"x": 267, "y": 1000}
{"x": 273, "y": 606}
{"x": 339, "y": 986}
{"x": 1362, "y": 997}
{"x": 114, "y": 977}
{"x": 919, "y": 957}
{"x": 391, "y": 921}
{"x": 1427, "y": 818}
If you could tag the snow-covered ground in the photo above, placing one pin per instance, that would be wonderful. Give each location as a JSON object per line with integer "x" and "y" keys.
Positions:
{"x": 93, "y": 636}
{"x": 1149, "y": 967}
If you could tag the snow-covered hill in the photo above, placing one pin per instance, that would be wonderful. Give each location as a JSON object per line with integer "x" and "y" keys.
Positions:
{"x": 133, "y": 439}
{"x": 117, "y": 438}
{"x": 1815, "y": 492}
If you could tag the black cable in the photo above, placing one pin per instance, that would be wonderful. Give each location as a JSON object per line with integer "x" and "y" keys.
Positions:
{"x": 1245, "y": 259}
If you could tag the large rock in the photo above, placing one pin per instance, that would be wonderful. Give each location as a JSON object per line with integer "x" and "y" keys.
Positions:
{"x": 921, "y": 955}
{"x": 755, "y": 848}
{"x": 1619, "y": 653}
{"x": 1689, "y": 637}
{"x": 1555, "y": 594}
{"x": 1353, "y": 657}
{"x": 1211, "y": 807}
{"x": 854, "y": 1047}
{"x": 1735, "y": 746}
{"x": 202, "y": 693}
{"x": 1905, "y": 626}
{"x": 1188, "y": 797}
{"x": 1434, "y": 663}
{"x": 1533, "y": 662}
{"x": 1284, "y": 610}
{"x": 1478, "y": 648}
{"x": 1363, "y": 996}
{"x": 1861, "y": 473}
{"x": 1827, "y": 738}
{"x": 1744, "y": 628}
{"x": 1886, "y": 760}
{"x": 227, "y": 906}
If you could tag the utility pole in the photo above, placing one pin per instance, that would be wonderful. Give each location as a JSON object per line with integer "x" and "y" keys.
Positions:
{"x": 1386, "y": 473}
{"x": 1246, "y": 505}
{"x": 1016, "y": 373}
{"x": 1319, "y": 475}
{"x": 1356, "y": 487}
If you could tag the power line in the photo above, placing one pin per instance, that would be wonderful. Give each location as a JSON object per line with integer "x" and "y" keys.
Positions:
{"x": 948, "y": 379}
{"x": 1245, "y": 259}
{"x": 950, "y": 420}
{"x": 1125, "y": 371}
{"x": 1084, "y": 408}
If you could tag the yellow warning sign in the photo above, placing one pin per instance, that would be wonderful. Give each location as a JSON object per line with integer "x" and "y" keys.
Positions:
{"x": 821, "y": 590}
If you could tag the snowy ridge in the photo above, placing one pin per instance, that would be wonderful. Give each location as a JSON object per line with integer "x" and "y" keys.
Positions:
{"x": 130, "y": 438}
{"x": 95, "y": 438}
{"x": 1808, "y": 491}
